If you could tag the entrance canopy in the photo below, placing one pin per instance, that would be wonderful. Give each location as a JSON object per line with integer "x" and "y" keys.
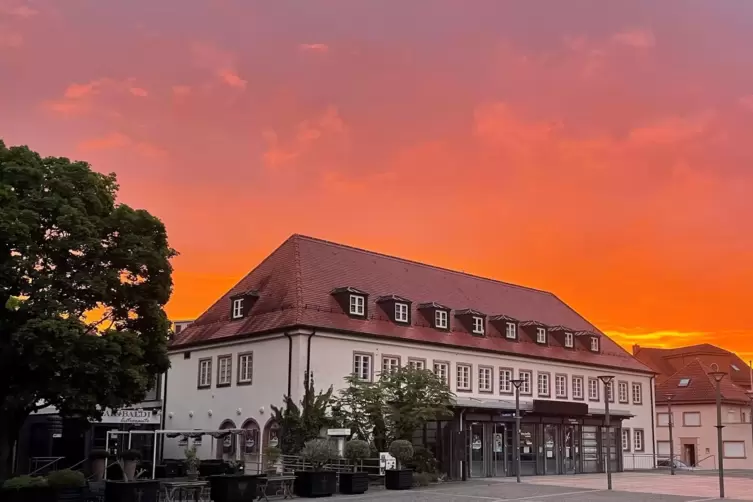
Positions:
{"x": 540, "y": 406}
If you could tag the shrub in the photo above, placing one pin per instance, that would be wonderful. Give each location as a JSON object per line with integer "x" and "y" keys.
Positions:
{"x": 25, "y": 481}
{"x": 98, "y": 454}
{"x": 423, "y": 460}
{"x": 421, "y": 478}
{"x": 192, "y": 460}
{"x": 357, "y": 450}
{"x": 66, "y": 478}
{"x": 319, "y": 452}
{"x": 402, "y": 450}
{"x": 131, "y": 455}
{"x": 272, "y": 454}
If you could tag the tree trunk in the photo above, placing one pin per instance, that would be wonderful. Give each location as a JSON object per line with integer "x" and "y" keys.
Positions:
{"x": 9, "y": 429}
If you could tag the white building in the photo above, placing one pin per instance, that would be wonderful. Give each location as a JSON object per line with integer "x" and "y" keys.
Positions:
{"x": 335, "y": 310}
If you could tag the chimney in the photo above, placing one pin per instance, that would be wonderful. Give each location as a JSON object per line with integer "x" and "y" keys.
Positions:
{"x": 636, "y": 349}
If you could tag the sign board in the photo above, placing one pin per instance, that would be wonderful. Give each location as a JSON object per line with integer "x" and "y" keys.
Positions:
{"x": 338, "y": 432}
{"x": 499, "y": 443}
{"x": 132, "y": 416}
{"x": 386, "y": 461}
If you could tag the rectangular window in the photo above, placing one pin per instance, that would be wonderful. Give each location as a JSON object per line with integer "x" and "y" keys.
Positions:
{"x": 691, "y": 419}
{"x": 637, "y": 393}
{"x": 357, "y": 305}
{"x": 625, "y": 439}
{"x": 622, "y": 392}
{"x": 224, "y": 371}
{"x": 440, "y": 319}
{"x": 733, "y": 449}
{"x": 525, "y": 387}
{"x": 578, "y": 387}
{"x": 362, "y": 366}
{"x": 390, "y": 364}
{"x": 511, "y": 331}
{"x": 662, "y": 448}
{"x": 638, "y": 439}
{"x": 205, "y": 373}
{"x": 237, "y": 308}
{"x": 569, "y": 340}
{"x": 593, "y": 389}
{"x": 542, "y": 386}
{"x": 560, "y": 386}
{"x": 245, "y": 368}
{"x": 540, "y": 335}
{"x": 401, "y": 312}
{"x": 417, "y": 364}
{"x": 441, "y": 369}
{"x": 610, "y": 391}
{"x": 485, "y": 382}
{"x": 662, "y": 419}
{"x": 505, "y": 381}
{"x": 594, "y": 344}
{"x": 478, "y": 325}
{"x": 463, "y": 377}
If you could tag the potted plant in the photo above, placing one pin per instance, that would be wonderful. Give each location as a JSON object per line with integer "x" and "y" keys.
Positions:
{"x": 98, "y": 463}
{"x": 143, "y": 490}
{"x": 317, "y": 482}
{"x": 68, "y": 485}
{"x": 27, "y": 489}
{"x": 400, "y": 478}
{"x": 272, "y": 455}
{"x": 131, "y": 459}
{"x": 192, "y": 463}
{"x": 357, "y": 481}
{"x": 233, "y": 487}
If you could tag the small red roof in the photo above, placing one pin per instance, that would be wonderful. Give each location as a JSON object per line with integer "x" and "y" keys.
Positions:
{"x": 693, "y": 385}
{"x": 295, "y": 283}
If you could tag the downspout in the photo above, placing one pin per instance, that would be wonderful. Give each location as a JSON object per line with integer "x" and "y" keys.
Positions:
{"x": 653, "y": 427}
{"x": 465, "y": 452}
{"x": 290, "y": 361}
{"x": 308, "y": 355}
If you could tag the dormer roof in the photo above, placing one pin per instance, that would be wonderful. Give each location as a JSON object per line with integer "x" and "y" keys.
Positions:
{"x": 348, "y": 289}
{"x": 392, "y": 298}
{"x": 433, "y": 305}
{"x": 503, "y": 318}
{"x": 470, "y": 312}
{"x": 537, "y": 324}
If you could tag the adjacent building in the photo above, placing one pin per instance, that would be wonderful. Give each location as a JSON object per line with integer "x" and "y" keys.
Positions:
{"x": 685, "y": 383}
{"x": 335, "y": 310}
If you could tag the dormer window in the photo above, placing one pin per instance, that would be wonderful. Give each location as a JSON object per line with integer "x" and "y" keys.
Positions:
{"x": 540, "y": 335}
{"x": 357, "y": 305}
{"x": 478, "y": 325}
{"x": 440, "y": 319}
{"x": 569, "y": 340}
{"x": 511, "y": 331}
{"x": 594, "y": 344}
{"x": 237, "y": 308}
{"x": 401, "y": 312}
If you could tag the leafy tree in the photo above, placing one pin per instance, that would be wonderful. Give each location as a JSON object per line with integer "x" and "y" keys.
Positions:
{"x": 83, "y": 283}
{"x": 360, "y": 407}
{"x": 299, "y": 424}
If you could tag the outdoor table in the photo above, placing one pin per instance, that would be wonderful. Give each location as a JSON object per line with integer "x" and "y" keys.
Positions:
{"x": 199, "y": 489}
{"x": 284, "y": 483}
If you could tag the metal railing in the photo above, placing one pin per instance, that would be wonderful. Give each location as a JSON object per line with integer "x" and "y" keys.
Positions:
{"x": 43, "y": 465}
{"x": 290, "y": 463}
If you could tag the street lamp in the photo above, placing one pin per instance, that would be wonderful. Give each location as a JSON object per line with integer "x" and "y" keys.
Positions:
{"x": 671, "y": 440}
{"x": 607, "y": 381}
{"x": 718, "y": 376}
{"x": 516, "y": 443}
{"x": 750, "y": 396}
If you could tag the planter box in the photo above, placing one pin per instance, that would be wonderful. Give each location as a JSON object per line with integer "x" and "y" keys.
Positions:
{"x": 315, "y": 484}
{"x": 354, "y": 482}
{"x": 395, "y": 479}
{"x": 132, "y": 491}
{"x": 233, "y": 488}
{"x": 69, "y": 495}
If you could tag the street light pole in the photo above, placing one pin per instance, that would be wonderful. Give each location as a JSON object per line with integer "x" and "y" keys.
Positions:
{"x": 607, "y": 380}
{"x": 516, "y": 442}
{"x": 671, "y": 439}
{"x": 718, "y": 376}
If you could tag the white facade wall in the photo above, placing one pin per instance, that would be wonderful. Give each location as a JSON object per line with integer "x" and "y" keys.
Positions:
{"x": 332, "y": 360}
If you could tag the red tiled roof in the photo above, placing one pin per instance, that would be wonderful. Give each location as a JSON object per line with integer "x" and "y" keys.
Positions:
{"x": 294, "y": 285}
{"x": 701, "y": 388}
{"x": 666, "y": 362}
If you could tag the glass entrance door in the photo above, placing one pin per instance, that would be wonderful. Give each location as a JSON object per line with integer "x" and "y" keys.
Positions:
{"x": 551, "y": 449}
{"x": 497, "y": 447}
{"x": 476, "y": 447}
{"x": 571, "y": 452}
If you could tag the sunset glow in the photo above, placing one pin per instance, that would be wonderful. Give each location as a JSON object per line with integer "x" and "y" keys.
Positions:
{"x": 598, "y": 150}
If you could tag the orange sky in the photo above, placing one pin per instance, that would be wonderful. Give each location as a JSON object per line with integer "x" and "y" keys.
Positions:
{"x": 600, "y": 150}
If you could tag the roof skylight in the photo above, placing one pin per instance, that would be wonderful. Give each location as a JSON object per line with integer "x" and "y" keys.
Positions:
{"x": 684, "y": 382}
{"x": 735, "y": 368}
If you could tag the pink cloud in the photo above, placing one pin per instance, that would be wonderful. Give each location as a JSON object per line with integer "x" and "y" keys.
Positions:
{"x": 138, "y": 92}
{"x": 314, "y": 47}
{"x": 77, "y": 91}
{"x": 232, "y": 79}
{"x": 120, "y": 141}
{"x": 10, "y": 40}
{"x": 22, "y": 11}
{"x": 639, "y": 39}
{"x": 181, "y": 90}
{"x": 673, "y": 129}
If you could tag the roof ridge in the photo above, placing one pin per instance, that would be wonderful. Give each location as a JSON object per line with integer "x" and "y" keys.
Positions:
{"x": 414, "y": 262}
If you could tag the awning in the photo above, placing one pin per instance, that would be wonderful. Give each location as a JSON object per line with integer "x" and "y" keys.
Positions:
{"x": 491, "y": 404}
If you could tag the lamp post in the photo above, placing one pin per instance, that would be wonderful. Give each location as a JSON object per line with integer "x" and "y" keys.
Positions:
{"x": 718, "y": 376}
{"x": 750, "y": 396}
{"x": 671, "y": 439}
{"x": 607, "y": 381}
{"x": 516, "y": 443}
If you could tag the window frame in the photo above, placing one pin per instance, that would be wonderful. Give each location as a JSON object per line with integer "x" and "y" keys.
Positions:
{"x": 414, "y": 362}
{"x": 510, "y": 386}
{"x": 620, "y": 385}
{"x": 402, "y": 308}
{"x": 371, "y": 365}
{"x": 626, "y": 435}
{"x": 478, "y": 325}
{"x": 582, "y": 380}
{"x": 447, "y": 367}
{"x": 237, "y": 308}
{"x": 686, "y": 424}
{"x": 353, "y": 306}
{"x": 529, "y": 381}
{"x": 220, "y": 359}
{"x": 610, "y": 391}
{"x": 548, "y": 380}
{"x": 441, "y": 314}
{"x": 642, "y": 434}
{"x": 598, "y": 390}
{"x": 633, "y": 387}
{"x": 511, "y": 327}
{"x": 660, "y": 414}
{"x": 569, "y": 340}
{"x": 595, "y": 344}
{"x": 469, "y": 367}
{"x": 558, "y": 395}
{"x": 386, "y": 357}
{"x": 539, "y": 338}
{"x": 724, "y": 449}
{"x": 208, "y": 383}
{"x": 490, "y": 370}
{"x": 250, "y": 380}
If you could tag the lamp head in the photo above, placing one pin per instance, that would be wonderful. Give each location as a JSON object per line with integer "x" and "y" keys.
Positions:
{"x": 517, "y": 382}
{"x": 606, "y": 378}
{"x": 716, "y": 374}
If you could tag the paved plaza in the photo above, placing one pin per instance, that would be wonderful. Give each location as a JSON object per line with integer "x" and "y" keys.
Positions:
{"x": 646, "y": 487}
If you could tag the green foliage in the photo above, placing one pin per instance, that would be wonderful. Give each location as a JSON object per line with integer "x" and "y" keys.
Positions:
{"x": 84, "y": 281}
{"x": 192, "y": 460}
{"x": 272, "y": 455}
{"x": 298, "y": 424}
{"x": 402, "y": 450}
{"x": 319, "y": 452}
{"x": 356, "y": 450}
{"x": 66, "y": 478}
{"x": 423, "y": 460}
{"x": 21, "y": 482}
{"x": 393, "y": 407}
{"x": 422, "y": 478}
{"x": 131, "y": 455}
